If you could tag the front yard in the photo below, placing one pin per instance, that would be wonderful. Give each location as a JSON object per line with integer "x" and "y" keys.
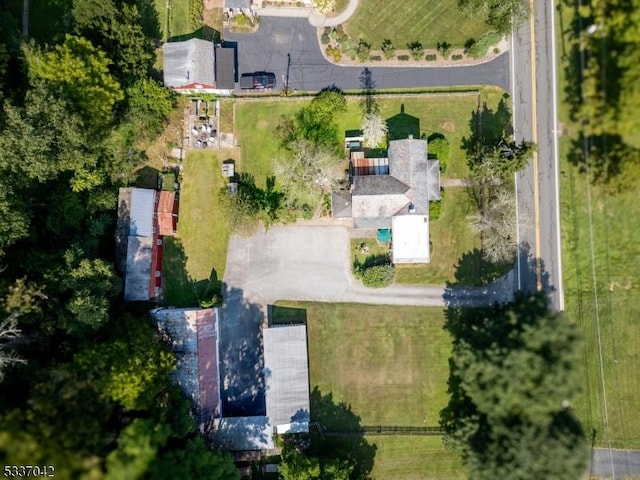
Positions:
{"x": 446, "y": 113}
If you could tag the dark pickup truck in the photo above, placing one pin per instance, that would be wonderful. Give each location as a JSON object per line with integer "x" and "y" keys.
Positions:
{"x": 257, "y": 81}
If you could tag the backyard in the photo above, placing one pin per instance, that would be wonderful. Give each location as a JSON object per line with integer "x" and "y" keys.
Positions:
{"x": 195, "y": 259}
{"x": 390, "y": 364}
{"x": 428, "y": 22}
{"x": 174, "y": 17}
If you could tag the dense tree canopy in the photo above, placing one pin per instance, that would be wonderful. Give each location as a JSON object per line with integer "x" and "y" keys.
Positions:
{"x": 116, "y": 28}
{"x": 512, "y": 381}
{"x": 84, "y": 380}
{"x": 78, "y": 71}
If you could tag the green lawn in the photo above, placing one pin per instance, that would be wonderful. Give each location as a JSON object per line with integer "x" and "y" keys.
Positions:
{"x": 179, "y": 22}
{"x": 195, "y": 259}
{"x": 615, "y": 259}
{"x": 255, "y": 129}
{"x": 414, "y": 458}
{"x": 404, "y": 21}
{"x": 448, "y": 114}
{"x": 390, "y": 364}
{"x": 450, "y": 238}
{"x": 395, "y": 355}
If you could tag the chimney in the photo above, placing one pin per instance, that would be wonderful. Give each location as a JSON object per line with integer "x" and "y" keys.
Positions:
{"x": 411, "y": 136}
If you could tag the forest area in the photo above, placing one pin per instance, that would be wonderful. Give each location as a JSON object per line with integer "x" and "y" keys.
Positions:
{"x": 84, "y": 380}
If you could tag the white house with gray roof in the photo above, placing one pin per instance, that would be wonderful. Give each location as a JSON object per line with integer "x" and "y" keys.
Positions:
{"x": 394, "y": 193}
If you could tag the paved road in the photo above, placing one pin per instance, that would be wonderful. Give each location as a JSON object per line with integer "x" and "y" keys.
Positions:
{"x": 313, "y": 263}
{"x": 267, "y": 50}
{"x": 535, "y": 118}
{"x": 615, "y": 463}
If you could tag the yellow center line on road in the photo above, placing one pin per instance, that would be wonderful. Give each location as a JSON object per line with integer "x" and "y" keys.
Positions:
{"x": 534, "y": 139}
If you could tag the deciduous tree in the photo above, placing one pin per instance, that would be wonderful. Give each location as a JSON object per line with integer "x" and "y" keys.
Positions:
{"x": 305, "y": 173}
{"x": 512, "y": 380}
{"x": 496, "y": 223}
{"x": 116, "y": 28}
{"x": 130, "y": 370}
{"x": 78, "y": 71}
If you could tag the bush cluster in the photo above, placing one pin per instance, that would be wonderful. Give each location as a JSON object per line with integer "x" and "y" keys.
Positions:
{"x": 363, "y": 50}
{"x": 444, "y": 48}
{"x": 375, "y": 276}
{"x": 388, "y": 49}
{"x": 435, "y": 208}
{"x": 416, "y": 49}
{"x": 430, "y": 57}
{"x": 403, "y": 58}
{"x": 457, "y": 56}
{"x": 334, "y": 53}
{"x": 439, "y": 148}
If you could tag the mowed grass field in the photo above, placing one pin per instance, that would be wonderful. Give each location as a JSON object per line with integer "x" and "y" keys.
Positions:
{"x": 414, "y": 458}
{"x": 174, "y": 20}
{"x": 607, "y": 311}
{"x": 405, "y": 21}
{"x": 390, "y": 364}
{"x": 195, "y": 259}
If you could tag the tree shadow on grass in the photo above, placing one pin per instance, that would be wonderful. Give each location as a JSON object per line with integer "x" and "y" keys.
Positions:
{"x": 402, "y": 125}
{"x": 339, "y": 434}
{"x": 488, "y": 127}
{"x": 472, "y": 270}
{"x": 149, "y": 18}
{"x": 283, "y": 315}
{"x": 180, "y": 289}
{"x": 203, "y": 33}
{"x": 147, "y": 177}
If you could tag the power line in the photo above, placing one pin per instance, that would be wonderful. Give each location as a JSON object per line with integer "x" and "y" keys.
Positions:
{"x": 585, "y": 145}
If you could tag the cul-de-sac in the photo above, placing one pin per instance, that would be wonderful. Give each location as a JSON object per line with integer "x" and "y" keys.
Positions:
{"x": 319, "y": 239}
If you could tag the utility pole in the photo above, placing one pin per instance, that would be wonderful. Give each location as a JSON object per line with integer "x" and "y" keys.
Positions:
{"x": 286, "y": 83}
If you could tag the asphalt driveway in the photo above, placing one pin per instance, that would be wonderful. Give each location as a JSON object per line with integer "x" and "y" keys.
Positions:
{"x": 267, "y": 49}
{"x": 313, "y": 263}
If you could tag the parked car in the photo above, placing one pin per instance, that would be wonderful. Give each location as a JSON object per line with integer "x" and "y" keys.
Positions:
{"x": 258, "y": 81}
